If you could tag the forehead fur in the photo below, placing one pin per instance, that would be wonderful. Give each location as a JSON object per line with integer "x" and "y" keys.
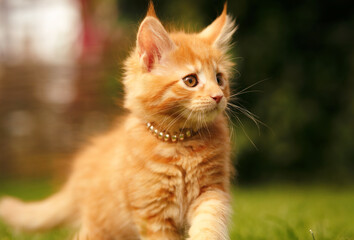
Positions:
{"x": 192, "y": 48}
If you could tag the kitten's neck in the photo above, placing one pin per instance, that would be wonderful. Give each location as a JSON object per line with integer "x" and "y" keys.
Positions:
{"x": 178, "y": 132}
{"x": 170, "y": 135}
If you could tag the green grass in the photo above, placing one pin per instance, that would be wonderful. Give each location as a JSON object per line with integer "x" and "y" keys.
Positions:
{"x": 268, "y": 212}
{"x": 290, "y": 212}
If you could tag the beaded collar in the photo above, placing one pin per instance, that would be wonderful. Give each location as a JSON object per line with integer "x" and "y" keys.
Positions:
{"x": 167, "y": 136}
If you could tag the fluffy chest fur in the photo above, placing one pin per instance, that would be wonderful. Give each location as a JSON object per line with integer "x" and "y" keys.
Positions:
{"x": 170, "y": 176}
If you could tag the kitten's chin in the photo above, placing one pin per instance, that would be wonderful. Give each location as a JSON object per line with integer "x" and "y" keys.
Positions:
{"x": 202, "y": 114}
{"x": 203, "y": 118}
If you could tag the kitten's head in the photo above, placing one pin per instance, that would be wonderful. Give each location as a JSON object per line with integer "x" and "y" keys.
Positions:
{"x": 179, "y": 79}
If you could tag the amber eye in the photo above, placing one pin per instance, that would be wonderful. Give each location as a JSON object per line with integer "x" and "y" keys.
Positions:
{"x": 191, "y": 80}
{"x": 220, "y": 79}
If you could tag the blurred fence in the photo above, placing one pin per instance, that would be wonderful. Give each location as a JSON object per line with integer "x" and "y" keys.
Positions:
{"x": 58, "y": 78}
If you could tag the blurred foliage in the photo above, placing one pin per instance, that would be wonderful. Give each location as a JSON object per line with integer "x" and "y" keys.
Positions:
{"x": 304, "y": 52}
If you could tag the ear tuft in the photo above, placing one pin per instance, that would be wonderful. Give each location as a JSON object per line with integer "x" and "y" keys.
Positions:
{"x": 224, "y": 11}
{"x": 224, "y": 39}
{"x": 153, "y": 42}
{"x": 151, "y": 10}
{"x": 219, "y": 33}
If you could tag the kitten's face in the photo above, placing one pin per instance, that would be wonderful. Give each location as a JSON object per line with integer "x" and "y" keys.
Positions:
{"x": 194, "y": 79}
{"x": 186, "y": 86}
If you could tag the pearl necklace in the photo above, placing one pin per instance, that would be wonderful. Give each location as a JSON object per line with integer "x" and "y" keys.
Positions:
{"x": 167, "y": 137}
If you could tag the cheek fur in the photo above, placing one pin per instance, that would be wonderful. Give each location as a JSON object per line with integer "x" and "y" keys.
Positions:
{"x": 182, "y": 92}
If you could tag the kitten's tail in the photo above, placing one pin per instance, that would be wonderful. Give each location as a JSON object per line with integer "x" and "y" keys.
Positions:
{"x": 51, "y": 212}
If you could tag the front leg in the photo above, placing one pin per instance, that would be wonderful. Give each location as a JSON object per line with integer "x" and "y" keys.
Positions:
{"x": 209, "y": 215}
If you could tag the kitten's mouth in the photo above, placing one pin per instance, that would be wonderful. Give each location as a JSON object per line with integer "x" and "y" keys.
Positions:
{"x": 207, "y": 110}
{"x": 202, "y": 115}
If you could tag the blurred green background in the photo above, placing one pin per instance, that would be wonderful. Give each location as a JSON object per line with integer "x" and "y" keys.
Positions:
{"x": 298, "y": 55}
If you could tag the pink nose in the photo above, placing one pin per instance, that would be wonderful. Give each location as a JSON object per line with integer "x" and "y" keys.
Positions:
{"x": 217, "y": 98}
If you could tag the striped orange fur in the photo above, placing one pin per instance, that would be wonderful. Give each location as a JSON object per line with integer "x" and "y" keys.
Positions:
{"x": 128, "y": 184}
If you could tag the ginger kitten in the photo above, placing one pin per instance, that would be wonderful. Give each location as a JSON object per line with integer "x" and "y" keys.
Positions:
{"x": 163, "y": 172}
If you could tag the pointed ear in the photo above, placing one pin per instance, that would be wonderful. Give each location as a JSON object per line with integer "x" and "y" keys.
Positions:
{"x": 219, "y": 33}
{"x": 153, "y": 42}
